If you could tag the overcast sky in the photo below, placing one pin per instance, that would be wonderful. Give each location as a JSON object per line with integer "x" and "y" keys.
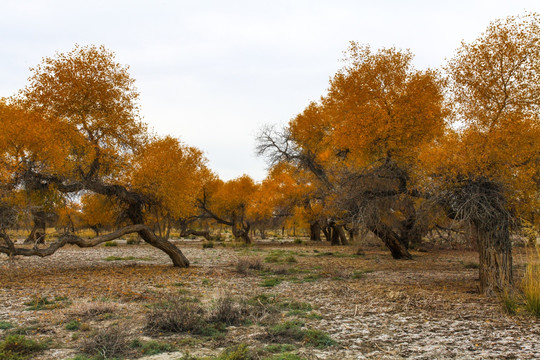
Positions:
{"x": 212, "y": 72}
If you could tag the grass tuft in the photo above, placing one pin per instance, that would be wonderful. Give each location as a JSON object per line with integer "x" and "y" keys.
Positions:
{"x": 531, "y": 285}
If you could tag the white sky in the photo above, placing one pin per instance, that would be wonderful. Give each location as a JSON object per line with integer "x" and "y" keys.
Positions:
{"x": 212, "y": 72}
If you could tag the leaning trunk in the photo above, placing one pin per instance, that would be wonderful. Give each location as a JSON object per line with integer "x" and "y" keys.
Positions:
{"x": 37, "y": 235}
{"x": 495, "y": 258}
{"x": 391, "y": 240}
{"x": 178, "y": 259}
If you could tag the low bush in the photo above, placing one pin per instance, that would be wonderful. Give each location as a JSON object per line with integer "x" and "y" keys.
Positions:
{"x": 148, "y": 348}
{"x": 292, "y": 330}
{"x": 176, "y": 315}
{"x": 208, "y": 245}
{"x": 18, "y": 347}
{"x": 228, "y": 310}
{"x": 107, "y": 342}
{"x": 5, "y": 325}
{"x": 271, "y": 282}
{"x": 40, "y": 303}
{"x": 73, "y": 325}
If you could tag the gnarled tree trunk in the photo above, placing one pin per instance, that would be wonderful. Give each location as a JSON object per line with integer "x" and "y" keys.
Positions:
{"x": 391, "y": 240}
{"x": 241, "y": 232}
{"x": 315, "y": 231}
{"x": 495, "y": 258}
{"x": 135, "y": 214}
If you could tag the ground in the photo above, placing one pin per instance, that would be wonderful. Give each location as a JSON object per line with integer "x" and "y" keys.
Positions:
{"x": 372, "y": 306}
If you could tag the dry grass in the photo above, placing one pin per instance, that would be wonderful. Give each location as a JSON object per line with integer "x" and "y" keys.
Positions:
{"x": 531, "y": 284}
{"x": 107, "y": 342}
{"x": 428, "y": 307}
{"x": 175, "y": 315}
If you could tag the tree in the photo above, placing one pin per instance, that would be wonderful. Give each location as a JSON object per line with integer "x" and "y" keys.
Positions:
{"x": 228, "y": 204}
{"x": 99, "y": 212}
{"x": 362, "y": 140}
{"x": 174, "y": 188}
{"x": 89, "y": 101}
{"x": 487, "y": 167}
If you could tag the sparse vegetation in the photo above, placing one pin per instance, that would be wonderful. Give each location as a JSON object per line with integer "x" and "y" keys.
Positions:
{"x": 73, "y": 325}
{"x": 531, "y": 285}
{"x": 107, "y": 342}
{"x": 18, "y": 347}
{"x": 5, "y": 325}
{"x": 148, "y": 348}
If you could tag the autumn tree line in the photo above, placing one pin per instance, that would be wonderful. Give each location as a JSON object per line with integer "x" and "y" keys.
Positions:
{"x": 388, "y": 149}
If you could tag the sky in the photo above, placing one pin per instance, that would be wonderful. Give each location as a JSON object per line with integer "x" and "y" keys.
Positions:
{"x": 212, "y": 73}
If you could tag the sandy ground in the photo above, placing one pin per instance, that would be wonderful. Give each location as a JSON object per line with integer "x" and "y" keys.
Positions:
{"x": 373, "y": 306}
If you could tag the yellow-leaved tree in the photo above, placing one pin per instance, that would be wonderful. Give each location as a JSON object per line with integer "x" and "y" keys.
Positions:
{"x": 361, "y": 143}
{"x": 487, "y": 167}
{"x": 75, "y": 127}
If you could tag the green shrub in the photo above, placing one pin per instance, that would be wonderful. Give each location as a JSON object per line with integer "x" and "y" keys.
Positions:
{"x": 284, "y": 356}
{"x": 39, "y": 303}
{"x": 509, "y": 303}
{"x": 318, "y": 339}
{"x": 271, "y": 282}
{"x": 110, "y": 243}
{"x": 295, "y": 305}
{"x": 151, "y": 347}
{"x": 208, "y": 245}
{"x": 279, "y": 348}
{"x": 293, "y": 330}
{"x": 18, "y": 347}
{"x": 280, "y": 256}
{"x": 288, "y": 330}
{"x": 359, "y": 274}
{"x": 238, "y": 352}
{"x": 73, "y": 325}
{"x": 4, "y": 325}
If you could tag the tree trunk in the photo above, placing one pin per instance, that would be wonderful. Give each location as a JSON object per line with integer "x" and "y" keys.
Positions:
{"x": 315, "y": 231}
{"x": 203, "y": 233}
{"x": 96, "y": 229}
{"x": 391, "y": 240}
{"x": 36, "y": 236}
{"x": 178, "y": 259}
{"x": 327, "y": 231}
{"x": 263, "y": 233}
{"x": 495, "y": 259}
{"x": 241, "y": 232}
{"x": 338, "y": 236}
{"x": 353, "y": 234}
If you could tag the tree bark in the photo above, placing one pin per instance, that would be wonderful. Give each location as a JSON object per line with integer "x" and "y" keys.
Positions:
{"x": 315, "y": 231}
{"x": 203, "y": 233}
{"x": 241, "y": 232}
{"x": 135, "y": 214}
{"x": 495, "y": 258}
{"x": 327, "y": 231}
{"x": 167, "y": 247}
{"x": 338, "y": 236}
{"x": 391, "y": 240}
